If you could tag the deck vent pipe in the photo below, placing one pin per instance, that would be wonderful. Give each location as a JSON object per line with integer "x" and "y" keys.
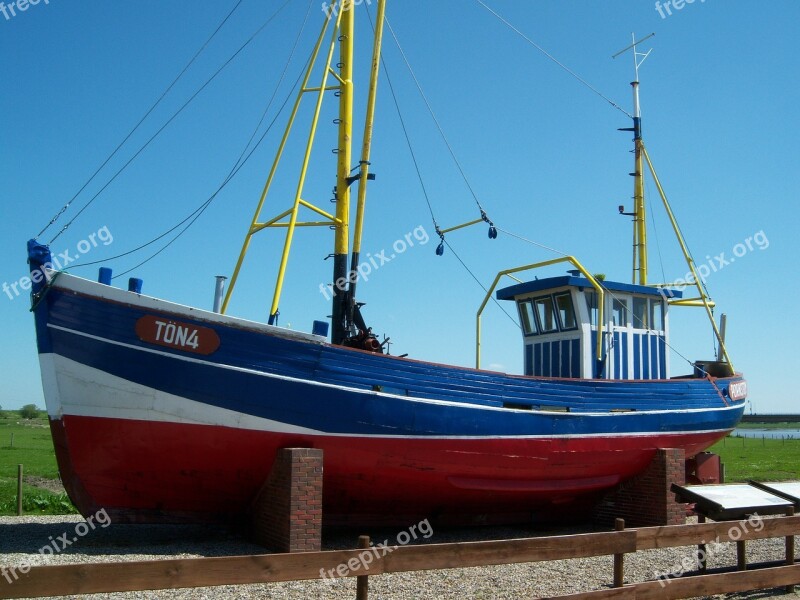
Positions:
{"x": 723, "y": 325}
{"x": 219, "y": 292}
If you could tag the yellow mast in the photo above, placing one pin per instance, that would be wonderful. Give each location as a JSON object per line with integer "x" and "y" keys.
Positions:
{"x": 344, "y": 152}
{"x": 364, "y": 164}
{"x": 342, "y": 15}
{"x": 639, "y": 221}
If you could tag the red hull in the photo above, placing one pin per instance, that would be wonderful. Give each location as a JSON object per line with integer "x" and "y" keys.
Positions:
{"x": 166, "y": 472}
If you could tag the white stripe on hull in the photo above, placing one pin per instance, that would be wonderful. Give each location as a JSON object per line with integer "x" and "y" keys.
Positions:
{"x": 72, "y": 388}
{"x": 88, "y": 392}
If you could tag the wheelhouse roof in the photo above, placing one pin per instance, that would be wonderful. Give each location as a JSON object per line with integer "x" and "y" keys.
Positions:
{"x": 551, "y": 283}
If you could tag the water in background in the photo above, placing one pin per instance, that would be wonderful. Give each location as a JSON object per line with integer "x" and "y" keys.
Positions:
{"x": 768, "y": 433}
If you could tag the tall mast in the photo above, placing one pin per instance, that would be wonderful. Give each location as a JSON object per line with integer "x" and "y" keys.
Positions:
{"x": 639, "y": 221}
{"x": 364, "y": 164}
{"x": 639, "y": 212}
{"x": 345, "y": 154}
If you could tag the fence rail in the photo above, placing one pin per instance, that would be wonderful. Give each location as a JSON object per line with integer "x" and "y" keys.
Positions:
{"x": 270, "y": 568}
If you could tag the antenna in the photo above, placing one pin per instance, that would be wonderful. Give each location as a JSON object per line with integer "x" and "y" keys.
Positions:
{"x": 636, "y": 55}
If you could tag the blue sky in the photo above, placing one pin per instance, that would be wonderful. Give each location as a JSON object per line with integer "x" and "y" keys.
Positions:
{"x": 541, "y": 151}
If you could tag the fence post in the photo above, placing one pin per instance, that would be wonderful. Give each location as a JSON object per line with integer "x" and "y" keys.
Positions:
{"x": 702, "y": 555}
{"x": 619, "y": 559}
{"x": 741, "y": 555}
{"x": 19, "y": 490}
{"x": 362, "y": 581}
{"x": 790, "y": 549}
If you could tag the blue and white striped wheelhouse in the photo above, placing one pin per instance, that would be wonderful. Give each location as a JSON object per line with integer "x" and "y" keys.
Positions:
{"x": 558, "y": 316}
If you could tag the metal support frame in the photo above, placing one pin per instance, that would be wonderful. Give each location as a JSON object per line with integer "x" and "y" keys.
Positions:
{"x": 293, "y": 212}
{"x": 704, "y": 299}
{"x": 508, "y": 272}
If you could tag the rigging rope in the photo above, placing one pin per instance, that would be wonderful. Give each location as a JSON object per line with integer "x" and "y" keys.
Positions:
{"x": 240, "y": 162}
{"x": 655, "y": 231}
{"x": 435, "y": 119}
{"x": 407, "y": 137}
{"x": 136, "y": 127}
{"x": 554, "y": 59}
{"x": 169, "y": 121}
{"x": 421, "y": 180}
{"x": 524, "y": 239}
{"x": 483, "y": 287}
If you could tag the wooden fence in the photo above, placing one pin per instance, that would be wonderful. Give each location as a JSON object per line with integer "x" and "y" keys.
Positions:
{"x": 267, "y": 568}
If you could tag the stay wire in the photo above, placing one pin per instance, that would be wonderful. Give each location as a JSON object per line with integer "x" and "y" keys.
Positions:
{"x": 240, "y": 162}
{"x": 172, "y": 118}
{"x": 406, "y": 133}
{"x": 435, "y": 119}
{"x": 655, "y": 231}
{"x": 554, "y": 59}
{"x": 532, "y": 242}
{"x": 421, "y": 180}
{"x": 478, "y": 281}
{"x": 142, "y": 120}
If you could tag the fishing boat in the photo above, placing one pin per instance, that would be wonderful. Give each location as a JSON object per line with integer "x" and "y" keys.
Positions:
{"x": 162, "y": 412}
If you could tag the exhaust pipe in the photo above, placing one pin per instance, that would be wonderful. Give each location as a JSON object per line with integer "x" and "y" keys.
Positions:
{"x": 219, "y": 293}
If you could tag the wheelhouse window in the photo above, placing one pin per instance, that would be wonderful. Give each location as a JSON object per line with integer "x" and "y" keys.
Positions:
{"x": 566, "y": 311}
{"x": 591, "y": 304}
{"x": 657, "y": 314}
{"x": 641, "y": 314}
{"x": 619, "y": 312}
{"x": 527, "y": 317}
{"x": 546, "y": 313}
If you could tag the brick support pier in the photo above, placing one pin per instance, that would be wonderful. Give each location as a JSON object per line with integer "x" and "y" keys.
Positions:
{"x": 287, "y": 513}
{"x": 646, "y": 499}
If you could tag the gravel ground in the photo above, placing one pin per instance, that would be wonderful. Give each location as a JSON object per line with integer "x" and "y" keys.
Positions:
{"x": 21, "y": 537}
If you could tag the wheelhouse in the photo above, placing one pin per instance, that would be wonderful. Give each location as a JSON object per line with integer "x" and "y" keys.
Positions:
{"x": 559, "y": 319}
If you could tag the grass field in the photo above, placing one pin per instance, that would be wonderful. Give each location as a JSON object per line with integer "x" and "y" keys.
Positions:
{"x": 32, "y": 448}
{"x": 759, "y": 459}
{"x": 744, "y": 458}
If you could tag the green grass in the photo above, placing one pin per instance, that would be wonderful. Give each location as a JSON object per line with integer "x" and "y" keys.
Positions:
{"x": 32, "y": 448}
{"x": 759, "y": 459}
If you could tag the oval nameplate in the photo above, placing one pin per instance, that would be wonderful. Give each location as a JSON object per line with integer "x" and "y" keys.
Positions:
{"x": 738, "y": 390}
{"x": 177, "y": 335}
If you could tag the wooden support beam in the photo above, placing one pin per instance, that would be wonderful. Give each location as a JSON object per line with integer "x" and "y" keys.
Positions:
{"x": 362, "y": 581}
{"x": 623, "y": 593}
{"x": 790, "y": 550}
{"x": 175, "y": 573}
{"x": 242, "y": 570}
{"x": 19, "y": 490}
{"x": 475, "y": 554}
{"x": 702, "y": 550}
{"x": 619, "y": 559}
{"x": 723, "y": 583}
{"x": 741, "y": 555}
{"x": 648, "y": 538}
